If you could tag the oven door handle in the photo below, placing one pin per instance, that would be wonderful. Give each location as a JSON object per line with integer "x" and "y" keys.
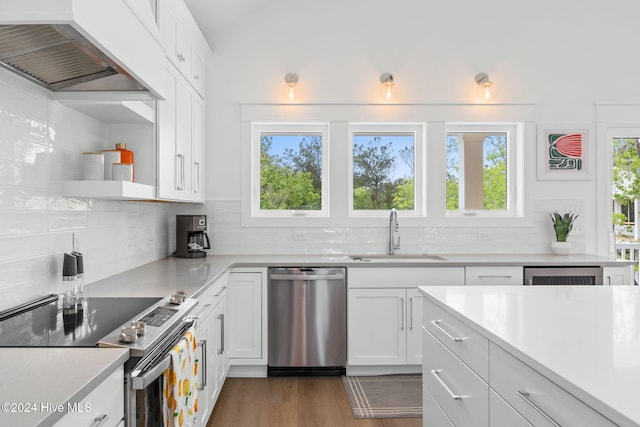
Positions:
{"x": 141, "y": 382}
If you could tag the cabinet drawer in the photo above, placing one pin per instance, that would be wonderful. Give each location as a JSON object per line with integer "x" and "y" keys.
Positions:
{"x": 462, "y": 395}
{"x": 494, "y": 275}
{"x": 104, "y": 404}
{"x": 501, "y": 414}
{"x": 539, "y": 400}
{"x": 471, "y": 347}
{"x": 432, "y": 414}
{"x": 410, "y": 277}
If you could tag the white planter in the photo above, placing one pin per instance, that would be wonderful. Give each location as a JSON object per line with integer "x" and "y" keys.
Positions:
{"x": 561, "y": 248}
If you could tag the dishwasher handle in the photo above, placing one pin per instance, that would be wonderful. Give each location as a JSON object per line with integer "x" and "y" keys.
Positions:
{"x": 309, "y": 277}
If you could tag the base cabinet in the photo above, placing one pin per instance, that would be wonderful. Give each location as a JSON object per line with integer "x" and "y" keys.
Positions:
{"x": 212, "y": 351}
{"x": 384, "y": 315}
{"x": 247, "y": 347}
{"x": 384, "y": 327}
{"x": 106, "y": 403}
{"x": 474, "y": 382}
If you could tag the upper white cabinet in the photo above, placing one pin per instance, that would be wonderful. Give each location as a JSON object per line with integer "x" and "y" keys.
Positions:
{"x": 184, "y": 44}
{"x": 180, "y": 141}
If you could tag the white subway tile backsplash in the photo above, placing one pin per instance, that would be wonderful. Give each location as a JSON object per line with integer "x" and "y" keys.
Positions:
{"x": 40, "y": 146}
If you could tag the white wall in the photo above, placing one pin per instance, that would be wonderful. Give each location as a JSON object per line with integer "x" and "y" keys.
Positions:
{"x": 40, "y": 145}
{"x": 563, "y": 57}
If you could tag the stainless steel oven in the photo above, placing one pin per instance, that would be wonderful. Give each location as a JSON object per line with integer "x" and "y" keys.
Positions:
{"x": 148, "y": 327}
{"x": 567, "y": 275}
{"x": 153, "y": 334}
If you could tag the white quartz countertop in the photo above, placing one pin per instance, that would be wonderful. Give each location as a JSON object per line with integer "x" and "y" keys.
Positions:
{"x": 586, "y": 339}
{"x": 168, "y": 275}
{"x": 35, "y": 381}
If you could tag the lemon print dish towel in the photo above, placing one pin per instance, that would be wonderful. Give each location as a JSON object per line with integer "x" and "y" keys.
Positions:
{"x": 180, "y": 389}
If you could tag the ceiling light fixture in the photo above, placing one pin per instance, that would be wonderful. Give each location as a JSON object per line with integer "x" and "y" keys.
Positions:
{"x": 292, "y": 91}
{"x": 387, "y": 93}
{"x": 487, "y": 90}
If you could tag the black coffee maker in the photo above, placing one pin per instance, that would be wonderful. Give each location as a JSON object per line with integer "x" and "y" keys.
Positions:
{"x": 191, "y": 236}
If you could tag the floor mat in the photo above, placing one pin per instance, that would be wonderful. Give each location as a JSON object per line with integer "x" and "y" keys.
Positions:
{"x": 385, "y": 396}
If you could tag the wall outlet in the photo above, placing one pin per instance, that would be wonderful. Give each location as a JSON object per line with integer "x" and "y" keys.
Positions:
{"x": 300, "y": 236}
{"x": 482, "y": 236}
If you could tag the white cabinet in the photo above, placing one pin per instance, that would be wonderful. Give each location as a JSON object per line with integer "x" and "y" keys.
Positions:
{"x": 539, "y": 400}
{"x": 474, "y": 382}
{"x": 384, "y": 327}
{"x": 184, "y": 44}
{"x": 618, "y": 275}
{"x": 247, "y": 322}
{"x": 211, "y": 336}
{"x": 104, "y": 406}
{"x": 385, "y": 311}
{"x": 494, "y": 275}
{"x": 180, "y": 141}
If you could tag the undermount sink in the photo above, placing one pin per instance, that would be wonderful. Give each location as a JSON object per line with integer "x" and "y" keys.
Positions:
{"x": 397, "y": 258}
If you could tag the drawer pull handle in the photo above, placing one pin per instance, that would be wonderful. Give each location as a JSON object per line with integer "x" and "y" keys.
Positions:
{"x": 100, "y": 420}
{"x": 525, "y": 396}
{"x": 436, "y": 373}
{"x": 436, "y": 323}
{"x": 496, "y": 276}
{"x": 221, "y": 291}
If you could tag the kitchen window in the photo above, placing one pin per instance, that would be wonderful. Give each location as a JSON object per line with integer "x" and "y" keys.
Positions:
{"x": 289, "y": 173}
{"x": 386, "y": 168}
{"x": 483, "y": 169}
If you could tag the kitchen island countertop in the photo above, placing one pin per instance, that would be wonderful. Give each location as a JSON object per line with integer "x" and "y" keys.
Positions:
{"x": 586, "y": 339}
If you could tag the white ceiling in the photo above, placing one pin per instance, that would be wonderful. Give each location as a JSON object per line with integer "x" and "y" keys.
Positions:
{"x": 214, "y": 15}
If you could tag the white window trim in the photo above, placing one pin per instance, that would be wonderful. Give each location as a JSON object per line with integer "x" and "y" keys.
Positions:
{"x": 419, "y": 132}
{"x": 515, "y": 168}
{"x": 259, "y": 128}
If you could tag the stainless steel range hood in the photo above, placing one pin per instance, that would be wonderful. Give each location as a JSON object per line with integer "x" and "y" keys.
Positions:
{"x": 59, "y": 58}
{"x": 83, "y": 45}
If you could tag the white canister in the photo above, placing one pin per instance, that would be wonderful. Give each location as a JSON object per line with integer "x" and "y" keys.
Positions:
{"x": 122, "y": 172}
{"x": 92, "y": 168}
{"x": 110, "y": 157}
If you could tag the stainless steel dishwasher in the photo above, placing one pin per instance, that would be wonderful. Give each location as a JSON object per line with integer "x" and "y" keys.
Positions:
{"x": 307, "y": 321}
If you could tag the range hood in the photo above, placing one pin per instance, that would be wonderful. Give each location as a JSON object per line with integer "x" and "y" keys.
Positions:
{"x": 82, "y": 46}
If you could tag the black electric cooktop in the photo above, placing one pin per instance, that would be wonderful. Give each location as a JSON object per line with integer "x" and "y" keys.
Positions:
{"x": 52, "y": 325}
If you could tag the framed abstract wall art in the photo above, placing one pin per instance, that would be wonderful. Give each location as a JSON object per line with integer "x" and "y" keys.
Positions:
{"x": 563, "y": 153}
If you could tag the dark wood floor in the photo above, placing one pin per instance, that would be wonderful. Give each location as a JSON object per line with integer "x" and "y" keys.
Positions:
{"x": 291, "y": 402}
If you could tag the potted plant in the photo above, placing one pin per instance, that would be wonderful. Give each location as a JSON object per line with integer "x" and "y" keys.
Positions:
{"x": 562, "y": 225}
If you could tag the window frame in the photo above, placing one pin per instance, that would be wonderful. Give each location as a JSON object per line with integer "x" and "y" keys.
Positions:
{"x": 418, "y": 129}
{"x": 260, "y": 128}
{"x": 515, "y": 169}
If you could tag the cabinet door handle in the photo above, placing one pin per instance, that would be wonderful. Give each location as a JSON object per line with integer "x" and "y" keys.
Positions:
{"x": 436, "y": 323}
{"x": 196, "y": 172}
{"x": 436, "y": 374}
{"x": 221, "y": 318}
{"x": 100, "y": 420}
{"x": 525, "y": 396}
{"x": 494, "y": 276}
{"x": 402, "y": 314}
{"x": 411, "y": 314}
{"x": 203, "y": 364}
{"x": 179, "y": 172}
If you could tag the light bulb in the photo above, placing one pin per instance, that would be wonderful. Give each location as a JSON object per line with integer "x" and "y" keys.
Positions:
{"x": 487, "y": 90}
{"x": 386, "y": 91}
{"x": 291, "y": 91}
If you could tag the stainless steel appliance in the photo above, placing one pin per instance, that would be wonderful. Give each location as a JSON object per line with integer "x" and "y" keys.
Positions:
{"x": 148, "y": 327}
{"x": 191, "y": 236}
{"x": 563, "y": 276}
{"x": 307, "y": 321}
